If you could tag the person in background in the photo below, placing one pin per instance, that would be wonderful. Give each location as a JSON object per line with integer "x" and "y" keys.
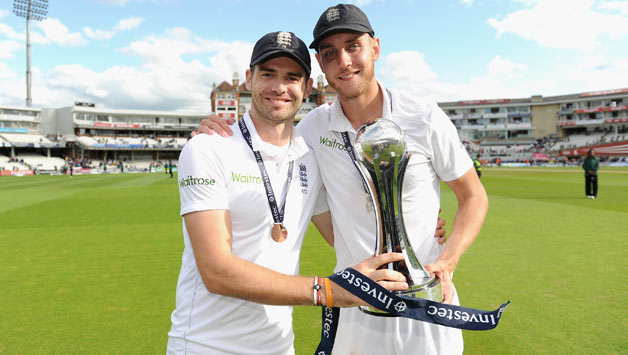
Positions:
{"x": 590, "y": 166}
{"x": 477, "y": 164}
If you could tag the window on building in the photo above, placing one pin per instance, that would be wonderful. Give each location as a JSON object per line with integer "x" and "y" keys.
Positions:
{"x": 102, "y": 118}
{"x": 121, "y": 119}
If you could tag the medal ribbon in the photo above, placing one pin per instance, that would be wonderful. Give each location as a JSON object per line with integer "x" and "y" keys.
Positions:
{"x": 351, "y": 151}
{"x": 414, "y": 308}
{"x": 270, "y": 195}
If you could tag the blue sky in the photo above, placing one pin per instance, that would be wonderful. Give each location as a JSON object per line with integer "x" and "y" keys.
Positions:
{"x": 166, "y": 54}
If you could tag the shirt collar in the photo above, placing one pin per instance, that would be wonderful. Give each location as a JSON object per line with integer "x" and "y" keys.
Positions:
{"x": 340, "y": 123}
{"x": 297, "y": 148}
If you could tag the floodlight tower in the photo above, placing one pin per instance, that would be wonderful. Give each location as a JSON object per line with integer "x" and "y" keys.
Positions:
{"x": 30, "y": 10}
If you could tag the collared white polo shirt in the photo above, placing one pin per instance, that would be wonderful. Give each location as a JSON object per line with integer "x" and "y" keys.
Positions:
{"x": 437, "y": 154}
{"x": 222, "y": 173}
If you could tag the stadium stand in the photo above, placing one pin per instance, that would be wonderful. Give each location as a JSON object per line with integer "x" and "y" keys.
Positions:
{"x": 506, "y": 130}
{"x": 42, "y": 163}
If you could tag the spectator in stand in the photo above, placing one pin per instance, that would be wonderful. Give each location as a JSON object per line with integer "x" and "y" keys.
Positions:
{"x": 590, "y": 166}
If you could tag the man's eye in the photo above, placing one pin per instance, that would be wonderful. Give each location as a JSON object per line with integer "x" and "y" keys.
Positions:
{"x": 329, "y": 54}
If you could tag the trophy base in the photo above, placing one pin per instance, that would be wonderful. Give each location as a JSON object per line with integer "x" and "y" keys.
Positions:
{"x": 431, "y": 290}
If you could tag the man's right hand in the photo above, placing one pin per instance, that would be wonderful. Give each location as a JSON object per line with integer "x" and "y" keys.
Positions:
{"x": 216, "y": 124}
{"x": 389, "y": 279}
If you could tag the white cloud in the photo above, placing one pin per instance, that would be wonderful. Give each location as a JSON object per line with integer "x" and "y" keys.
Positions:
{"x": 406, "y": 66}
{"x": 562, "y": 24}
{"x": 114, "y": 2}
{"x": 124, "y": 2}
{"x": 8, "y": 47}
{"x": 4, "y": 13}
{"x": 10, "y": 32}
{"x": 166, "y": 79}
{"x": 128, "y": 23}
{"x": 58, "y": 33}
{"x": 97, "y": 34}
{"x": 499, "y": 66}
{"x": 122, "y": 25}
{"x": 5, "y": 71}
{"x": 467, "y": 3}
{"x": 621, "y": 6}
{"x": 497, "y": 81}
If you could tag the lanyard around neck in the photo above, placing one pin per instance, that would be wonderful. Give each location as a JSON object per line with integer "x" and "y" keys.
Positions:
{"x": 270, "y": 195}
{"x": 351, "y": 150}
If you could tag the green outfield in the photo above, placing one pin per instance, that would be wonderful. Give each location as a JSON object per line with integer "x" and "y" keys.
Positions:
{"x": 89, "y": 265}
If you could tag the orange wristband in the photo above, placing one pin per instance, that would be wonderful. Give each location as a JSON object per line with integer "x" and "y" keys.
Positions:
{"x": 330, "y": 300}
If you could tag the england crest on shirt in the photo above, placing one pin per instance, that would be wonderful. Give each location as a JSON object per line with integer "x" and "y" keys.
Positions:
{"x": 303, "y": 178}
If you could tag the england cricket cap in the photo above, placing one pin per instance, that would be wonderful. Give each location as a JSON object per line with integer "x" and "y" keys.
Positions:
{"x": 276, "y": 44}
{"x": 341, "y": 18}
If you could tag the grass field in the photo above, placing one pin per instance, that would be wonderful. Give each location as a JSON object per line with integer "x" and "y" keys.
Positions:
{"x": 89, "y": 265}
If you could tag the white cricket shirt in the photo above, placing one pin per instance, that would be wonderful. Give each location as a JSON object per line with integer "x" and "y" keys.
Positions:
{"x": 217, "y": 173}
{"x": 437, "y": 154}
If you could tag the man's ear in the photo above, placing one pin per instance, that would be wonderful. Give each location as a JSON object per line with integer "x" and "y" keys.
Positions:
{"x": 376, "y": 48}
{"x": 308, "y": 88}
{"x": 249, "y": 79}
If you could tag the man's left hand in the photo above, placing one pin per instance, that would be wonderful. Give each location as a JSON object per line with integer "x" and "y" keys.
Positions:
{"x": 441, "y": 270}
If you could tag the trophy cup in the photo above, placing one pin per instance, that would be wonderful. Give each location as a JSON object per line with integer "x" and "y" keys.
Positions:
{"x": 381, "y": 158}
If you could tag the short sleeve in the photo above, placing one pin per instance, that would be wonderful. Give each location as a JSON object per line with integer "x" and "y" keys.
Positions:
{"x": 451, "y": 159}
{"x": 202, "y": 184}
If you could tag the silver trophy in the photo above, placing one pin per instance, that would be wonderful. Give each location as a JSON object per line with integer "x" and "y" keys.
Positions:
{"x": 380, "y": 150}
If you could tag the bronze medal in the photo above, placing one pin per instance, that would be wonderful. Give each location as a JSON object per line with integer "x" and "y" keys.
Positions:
{"x": 279, "y": 233}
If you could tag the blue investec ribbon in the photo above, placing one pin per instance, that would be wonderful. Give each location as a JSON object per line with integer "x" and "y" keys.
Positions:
{"x": 415, "y": 308}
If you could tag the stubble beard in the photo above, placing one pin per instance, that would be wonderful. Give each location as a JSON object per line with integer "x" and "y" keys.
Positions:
{"x": 265, "y": 114}
{"x": 362, "y": 87}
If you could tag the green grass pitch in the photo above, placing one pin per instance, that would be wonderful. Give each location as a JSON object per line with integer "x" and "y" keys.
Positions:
{"x": 89, "y": 265}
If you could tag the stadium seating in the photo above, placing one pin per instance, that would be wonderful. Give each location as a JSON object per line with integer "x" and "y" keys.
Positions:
{"x": 26, "y": 139}
{"x": 41, "y": 162}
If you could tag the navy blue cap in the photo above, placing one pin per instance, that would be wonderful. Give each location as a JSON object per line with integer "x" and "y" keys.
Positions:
{"x": 341, "y": 18}
{"x": 282, "y": 43}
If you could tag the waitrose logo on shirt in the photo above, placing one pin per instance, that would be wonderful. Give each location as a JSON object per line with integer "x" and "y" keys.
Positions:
{"x": 332, "y": 143}
{"x": 193, "y": 181}
{"x": 246, "y": 178}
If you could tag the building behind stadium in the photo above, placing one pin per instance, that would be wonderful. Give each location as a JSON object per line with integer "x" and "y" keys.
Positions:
{"x": 512, "y": 131}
